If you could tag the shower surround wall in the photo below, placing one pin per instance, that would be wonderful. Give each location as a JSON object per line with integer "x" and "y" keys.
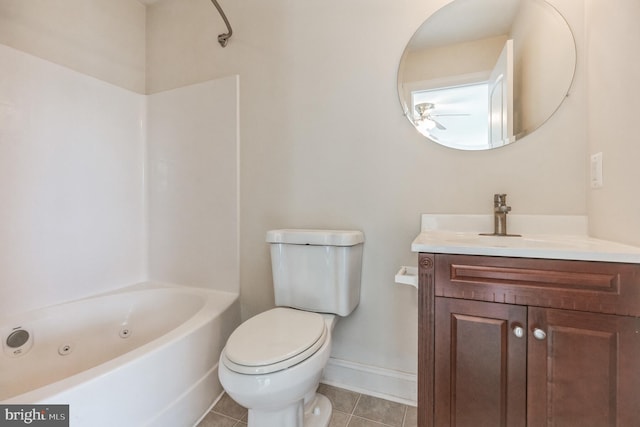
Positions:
{"x": 72, "y": 221}
{"x": 193, "y": 185}
{"x": 74, "y": 218}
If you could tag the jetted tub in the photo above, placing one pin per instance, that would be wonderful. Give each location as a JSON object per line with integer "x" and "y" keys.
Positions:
{"x": 144, "y": 355}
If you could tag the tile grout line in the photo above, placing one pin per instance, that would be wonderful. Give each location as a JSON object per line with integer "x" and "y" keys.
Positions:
{"x": 227, "y": 416}
{"x": 353, "y": 410}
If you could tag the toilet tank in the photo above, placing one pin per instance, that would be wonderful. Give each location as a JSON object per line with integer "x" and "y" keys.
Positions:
{"x": 317, "y": 270}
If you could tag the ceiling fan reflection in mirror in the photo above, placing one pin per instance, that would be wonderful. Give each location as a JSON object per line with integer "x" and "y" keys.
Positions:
{"x": 425, "y": 116}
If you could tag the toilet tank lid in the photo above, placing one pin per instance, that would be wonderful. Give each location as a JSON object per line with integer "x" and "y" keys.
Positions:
{"x": 316, "y": 237}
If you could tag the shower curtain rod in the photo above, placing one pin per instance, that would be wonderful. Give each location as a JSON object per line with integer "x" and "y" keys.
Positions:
{"x": 224, "y": 37}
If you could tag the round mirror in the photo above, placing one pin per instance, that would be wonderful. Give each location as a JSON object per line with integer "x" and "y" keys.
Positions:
{"x": 481, "y": 74}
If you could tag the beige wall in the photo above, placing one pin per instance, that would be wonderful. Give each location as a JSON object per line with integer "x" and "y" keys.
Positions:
{"x": 324, "y": 144}
{"x": 614, "y": 108}
{"x": 101, "y": 38}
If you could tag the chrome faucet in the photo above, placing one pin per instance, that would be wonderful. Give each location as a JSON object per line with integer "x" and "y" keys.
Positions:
{"x": 500, "y": 211}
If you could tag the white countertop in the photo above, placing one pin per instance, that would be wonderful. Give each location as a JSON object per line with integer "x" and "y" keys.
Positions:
{"x": 542, "y": 236}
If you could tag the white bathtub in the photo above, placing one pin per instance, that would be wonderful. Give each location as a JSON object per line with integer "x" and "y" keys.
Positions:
{"x": 145, "y": 355}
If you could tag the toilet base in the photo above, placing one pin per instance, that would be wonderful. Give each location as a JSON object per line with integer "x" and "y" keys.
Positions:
{"x": 317, "y": 413}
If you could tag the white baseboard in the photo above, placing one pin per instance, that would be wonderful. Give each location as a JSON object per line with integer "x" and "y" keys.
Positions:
{"x": 384, "y": 383}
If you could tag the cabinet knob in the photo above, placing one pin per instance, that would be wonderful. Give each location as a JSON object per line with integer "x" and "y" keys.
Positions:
{"x": 518, "y": 330}
{"x": 539, "y": 334}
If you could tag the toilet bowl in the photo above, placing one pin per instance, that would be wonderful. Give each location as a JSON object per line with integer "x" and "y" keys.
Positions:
{"x": 272, "y": 365}
{"x": 273, "y": 362}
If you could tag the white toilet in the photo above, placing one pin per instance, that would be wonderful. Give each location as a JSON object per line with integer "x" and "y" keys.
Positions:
{"x": 273, "y": 362}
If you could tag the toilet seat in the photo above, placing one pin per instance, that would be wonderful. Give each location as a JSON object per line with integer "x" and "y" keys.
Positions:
{"x": 274, "y": 340}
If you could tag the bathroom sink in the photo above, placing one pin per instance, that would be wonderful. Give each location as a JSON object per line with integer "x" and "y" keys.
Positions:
{"x": 472, "y": 239}
{"x": 515, "y": 241}
{"x": 555, "y": 237}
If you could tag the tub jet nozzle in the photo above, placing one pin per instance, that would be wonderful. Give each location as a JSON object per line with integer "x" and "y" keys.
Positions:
{"x": 17, "y": 338}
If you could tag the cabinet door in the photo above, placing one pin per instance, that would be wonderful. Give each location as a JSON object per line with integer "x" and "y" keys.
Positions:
{"x": 480, "y": 364}
{"x": 586, "y": 370}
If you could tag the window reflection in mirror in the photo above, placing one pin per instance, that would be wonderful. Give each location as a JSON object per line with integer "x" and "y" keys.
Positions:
{"x": 480, "y": 74}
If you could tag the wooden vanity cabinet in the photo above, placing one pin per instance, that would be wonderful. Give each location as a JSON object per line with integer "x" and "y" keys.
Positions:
{"x": 528, "y": 342}
{"x": 480, "y": 375}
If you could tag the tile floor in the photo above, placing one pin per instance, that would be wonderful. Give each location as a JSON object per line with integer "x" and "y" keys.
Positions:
{"x": 350, "y": 409}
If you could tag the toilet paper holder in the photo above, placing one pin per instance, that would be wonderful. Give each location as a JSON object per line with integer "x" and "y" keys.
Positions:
{"x": 407, "y": 276}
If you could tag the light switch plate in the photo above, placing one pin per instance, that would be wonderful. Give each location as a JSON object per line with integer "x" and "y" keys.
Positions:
{"x": 596, "y": 170}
